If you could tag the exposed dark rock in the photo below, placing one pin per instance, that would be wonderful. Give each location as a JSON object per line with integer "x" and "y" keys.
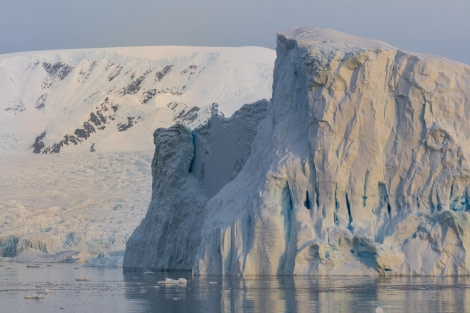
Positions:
{"x": 187, "y": 116}
{"x": 148, "y": 95}
{"x": 116, "y": 71}
{"x": 84, "y": 132}
{"x": 215, "y": 110}
{"x": 56, "y": 71}
{"x": 17, "y": 108}
{"x": 85, "y": 73}
{"x": 134, "y": 87}
{"x": 38, "y": 144}
{"x": 41, "y": 102}
{"x": 59, "y": 69}
{"x": 98, "y": 120}
{"x": 159, "y": 75}
{"x": 190, "y": 70}
{"x": 131, "y": 121}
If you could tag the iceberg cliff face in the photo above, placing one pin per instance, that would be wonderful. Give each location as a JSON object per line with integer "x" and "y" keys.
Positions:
{"x": 187, "y": 169}
{"x": 360, "y": 167}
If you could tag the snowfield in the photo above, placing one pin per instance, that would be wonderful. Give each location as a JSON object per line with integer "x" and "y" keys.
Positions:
{"x": 76, "y": 140}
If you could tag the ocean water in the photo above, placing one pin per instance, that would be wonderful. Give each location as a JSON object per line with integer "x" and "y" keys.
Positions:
{"x": 115, "y": 290}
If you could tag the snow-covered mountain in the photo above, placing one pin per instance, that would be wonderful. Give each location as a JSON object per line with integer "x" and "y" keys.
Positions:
{"x": 361, "y": 167}
{"x": 111, "y": 99}
{"x": 76, "y": 134}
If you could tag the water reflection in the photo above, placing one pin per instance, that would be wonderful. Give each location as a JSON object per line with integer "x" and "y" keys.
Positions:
{"x": 297, "y": 294}
{"x": 112, "y": 290}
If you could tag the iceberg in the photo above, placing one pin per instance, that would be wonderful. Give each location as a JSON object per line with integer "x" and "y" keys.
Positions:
{"x": 357, "y": 166}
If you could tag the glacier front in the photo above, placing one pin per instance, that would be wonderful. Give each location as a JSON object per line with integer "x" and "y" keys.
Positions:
{"x": 358, "y": 166}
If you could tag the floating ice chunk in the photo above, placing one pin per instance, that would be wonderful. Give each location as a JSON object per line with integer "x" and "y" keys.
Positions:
{"x": 169, "y": 281}
{"x": 379, "y": 310}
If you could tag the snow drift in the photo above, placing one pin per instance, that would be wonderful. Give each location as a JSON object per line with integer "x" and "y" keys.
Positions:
{"x": 360, "y": 167}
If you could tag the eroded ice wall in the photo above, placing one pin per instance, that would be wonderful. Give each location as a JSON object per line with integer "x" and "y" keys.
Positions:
{"x": 361, "y": 167}
{"x": 188, "y": 168}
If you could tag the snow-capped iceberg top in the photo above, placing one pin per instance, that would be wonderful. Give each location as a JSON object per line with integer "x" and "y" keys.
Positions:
{"x": 328, "y": 38}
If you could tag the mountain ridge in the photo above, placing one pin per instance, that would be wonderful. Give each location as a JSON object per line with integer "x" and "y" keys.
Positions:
{"x": 63, "y": 99}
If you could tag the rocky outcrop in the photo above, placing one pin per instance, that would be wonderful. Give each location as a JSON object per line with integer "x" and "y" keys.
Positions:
{"x": 361, "y": 167}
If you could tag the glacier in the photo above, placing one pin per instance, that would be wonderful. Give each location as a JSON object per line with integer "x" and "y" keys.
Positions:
{"x": 357, "y": 166}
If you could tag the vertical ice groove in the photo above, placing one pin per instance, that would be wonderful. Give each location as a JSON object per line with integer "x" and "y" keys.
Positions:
{"x": 307, "y": 202}
{"x": 191, "y": 164}
{"x": 466, "y": 200}
{"x": 439, "y": 203}
{"x": 248, "y": 240}
{"x": 317, "y": 195}
{"x": 350, "y": 217}
{"x": 364, "y": 197}
{"x": 286, "y": 264}
{"x": 337, "y": 206}
{"x": 384, "y": 202}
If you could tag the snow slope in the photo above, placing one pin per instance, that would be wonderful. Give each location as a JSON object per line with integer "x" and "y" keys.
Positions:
{"x": 109, "y": 102}
{"x": 111, "y": 99}
{"x": 359, "y": 168}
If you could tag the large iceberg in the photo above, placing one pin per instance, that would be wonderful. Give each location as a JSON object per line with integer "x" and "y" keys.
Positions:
{"x": 360, "y": 167}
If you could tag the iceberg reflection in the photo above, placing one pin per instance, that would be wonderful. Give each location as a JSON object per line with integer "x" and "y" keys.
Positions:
{"x": 297, "y": 293}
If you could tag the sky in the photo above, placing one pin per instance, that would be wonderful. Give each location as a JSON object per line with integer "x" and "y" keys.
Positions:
{"x": 439, "y": 27}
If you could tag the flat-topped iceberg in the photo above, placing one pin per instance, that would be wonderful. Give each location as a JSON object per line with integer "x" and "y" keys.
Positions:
{"x": 360, "y": 167}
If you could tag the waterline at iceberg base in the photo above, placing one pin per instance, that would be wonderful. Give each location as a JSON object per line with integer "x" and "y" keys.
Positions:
{"x": 357, "y": 166}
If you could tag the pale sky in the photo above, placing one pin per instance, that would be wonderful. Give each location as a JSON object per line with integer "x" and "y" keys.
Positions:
{"x": 431, "y": 26}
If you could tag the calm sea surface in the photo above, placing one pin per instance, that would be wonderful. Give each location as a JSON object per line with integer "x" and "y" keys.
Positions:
{"x": 112, "y": 290}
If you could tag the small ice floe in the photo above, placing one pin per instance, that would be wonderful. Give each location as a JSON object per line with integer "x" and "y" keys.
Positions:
{"x": 212, "y": 283}
{"x": 169, "y": 281}
{"x": 37, "y": 296}
{"x": 148, "y": 273}
{"x": 379, "y": 310}
{"x": 82, "y": 279}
